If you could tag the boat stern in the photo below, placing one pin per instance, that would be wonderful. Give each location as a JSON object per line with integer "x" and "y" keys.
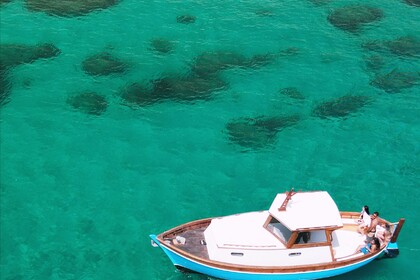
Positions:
{"x": 392, "y": 250}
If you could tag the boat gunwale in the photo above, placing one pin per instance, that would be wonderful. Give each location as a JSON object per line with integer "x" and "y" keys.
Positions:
{"x": 170, "y": 233}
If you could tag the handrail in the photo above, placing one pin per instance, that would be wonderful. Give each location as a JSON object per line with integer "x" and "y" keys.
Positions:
{"x": 286, "y": 200}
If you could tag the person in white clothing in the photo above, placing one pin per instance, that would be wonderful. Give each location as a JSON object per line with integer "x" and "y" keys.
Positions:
{"x": 364, "y": 220}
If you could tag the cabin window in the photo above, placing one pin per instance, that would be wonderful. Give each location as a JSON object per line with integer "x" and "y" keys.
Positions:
{"x": 311, "y": 237}
{"x": 303, "y": 237}
{"x": 279, "y": 230}
{"x": 318, "y": 236}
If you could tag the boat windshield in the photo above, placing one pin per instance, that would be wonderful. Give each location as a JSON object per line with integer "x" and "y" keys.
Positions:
{"x": 279, "y": 230}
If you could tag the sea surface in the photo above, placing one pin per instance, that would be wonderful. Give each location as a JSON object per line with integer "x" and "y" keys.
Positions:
{"x": 284, "y": 98}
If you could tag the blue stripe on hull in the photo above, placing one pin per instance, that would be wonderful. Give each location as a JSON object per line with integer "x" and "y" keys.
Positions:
{"x": 392, "y": 246}
{"x": 392, "y": 250}
{"x": 179, "y": 260}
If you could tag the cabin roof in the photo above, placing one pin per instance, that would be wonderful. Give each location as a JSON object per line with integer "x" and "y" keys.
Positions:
{"x": 307, "y": 210}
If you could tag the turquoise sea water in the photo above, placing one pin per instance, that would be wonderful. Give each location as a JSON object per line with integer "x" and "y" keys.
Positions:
{"x": 80, "y": 193}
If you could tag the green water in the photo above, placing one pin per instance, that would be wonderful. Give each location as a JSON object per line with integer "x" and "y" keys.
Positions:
{"x": 81, "y": 193}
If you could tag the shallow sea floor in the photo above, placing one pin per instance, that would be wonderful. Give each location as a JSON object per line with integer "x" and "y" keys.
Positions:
{"x": 130, "y": 119}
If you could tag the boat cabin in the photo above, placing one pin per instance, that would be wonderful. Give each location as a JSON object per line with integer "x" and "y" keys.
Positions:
{"x": 303, "y": 220}
{"x": 302, "y": 224}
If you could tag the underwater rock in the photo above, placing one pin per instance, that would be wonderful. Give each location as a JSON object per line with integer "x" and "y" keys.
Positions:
{"x": 276, "y": 124}
{"x": 209, "y": 63}
{"x": 395, "y": 81}
{"x": 4, "y": 2}
{"x": 373, "y": 45}
{"x": 60, "y": 258}
{"x": 68, "y": 8}
{"x": 162, "y": 46}
{"x": 264, "y": 13}
{"x": 258, "y": 132}
{"x": 340, "y": 107}
{"x": 5, "y": 86}
{"x": 320, "y": 2}
{"x": 352, "y": 18}
{"x": 260, "y": 60}
{"x": 88, "y": 102}
{"x": 374, "y": 62}
{"x": 413, "y": 2}
{"x": 103, "y": 64}
{"x": 201, "y": 83}
{"x": 185, "y": 19}
{"x": 45, "y": 51}
{"x": 86, "y": 226}
{"x": 188, "y": 88}
{"x": 292, "y": 92}
{"x": 178, "y": 89}
{"x": 406, "y": 46}
{"x": 330, "y": 57}
{"x": 290, "y": 51}
{"x": 91, "y": 258}
{"x": 14, "y": 54}
{"x": 402, "y": 46}
{"x": 137, "y": 94}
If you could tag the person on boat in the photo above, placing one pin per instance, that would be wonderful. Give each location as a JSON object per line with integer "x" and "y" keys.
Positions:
{"x": 364, "y": 220}
{"x": 371, "y": 230}
{"x": 371, "y": 247}
{"x": 303, "y": 235}
{"x": 365, "y": 209}
{"x": 383, "y": 232}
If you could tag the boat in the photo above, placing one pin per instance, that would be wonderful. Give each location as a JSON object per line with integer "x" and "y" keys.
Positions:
{"x": 303, "y": 235}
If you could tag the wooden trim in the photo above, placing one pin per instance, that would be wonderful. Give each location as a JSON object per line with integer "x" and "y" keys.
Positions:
{"x": 278, "y": 238}
{"x": 319, "y": 228}
{"x": 330, "y": 240}
{"x": 267, "y": 221}
{"x": 172, "y": 233}
{"x": 310, "y": 245}
{"x": 350, "y": 215}
{"x": 292, "y": 240}
{"x": 289, "y": 195}
{"x": 356, "y": 215}
{"x": 295, "y": 234}
{"x": 328, "y": 234}
{"x": 397, "y": 230}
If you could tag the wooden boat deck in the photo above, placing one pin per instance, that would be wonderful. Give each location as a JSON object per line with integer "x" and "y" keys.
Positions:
{"x": 194, "y": 238}
{"x": 194, "y": 243}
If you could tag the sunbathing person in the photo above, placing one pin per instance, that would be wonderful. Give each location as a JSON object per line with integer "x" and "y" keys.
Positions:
{"x": 371, "y": 230}
{"x": 371, "y": 247}
{"x": 383, "y": 233}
